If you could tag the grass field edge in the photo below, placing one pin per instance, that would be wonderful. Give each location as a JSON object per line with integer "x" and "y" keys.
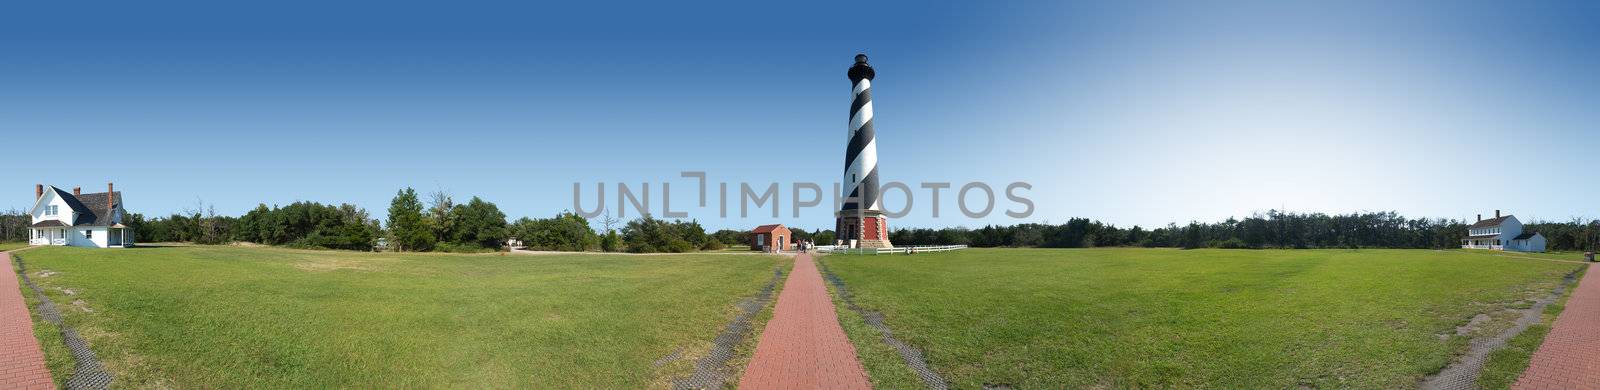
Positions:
{"x": 57, "y": 358}
{"x": 884, "y": 366}
{"x": 1503, "y": 366}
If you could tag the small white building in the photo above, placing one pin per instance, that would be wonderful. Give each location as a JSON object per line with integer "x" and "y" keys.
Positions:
{"x": 1502, "y": 233}
{"x": 78, "y": 219}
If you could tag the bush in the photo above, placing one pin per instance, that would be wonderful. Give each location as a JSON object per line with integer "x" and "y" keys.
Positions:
{"x": 823, "y": 238}
{"x": 565, "y": 232}
{"x": 731, "y": 237}
{"x": 1231, "y": 243}
{"x": 650, "y": 235}
{"x": 308, "y": 225}
{"x": 611, "y": 242}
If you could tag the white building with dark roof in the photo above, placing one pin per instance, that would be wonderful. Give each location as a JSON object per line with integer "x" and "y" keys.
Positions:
{"x": 1502, "y": 233}
{"x": 77, "y": 219}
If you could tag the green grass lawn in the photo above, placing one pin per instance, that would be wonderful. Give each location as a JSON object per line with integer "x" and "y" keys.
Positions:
{"x": 232, "y": 317}
{"x": 1117, "y": 318}
{"x": 9, "y": 245}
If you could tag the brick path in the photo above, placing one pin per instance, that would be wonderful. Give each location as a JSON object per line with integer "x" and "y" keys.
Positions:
{"x": 21, "y": 360}
{"x": 1570, "y": 355}
{"x": 803, "y": 346}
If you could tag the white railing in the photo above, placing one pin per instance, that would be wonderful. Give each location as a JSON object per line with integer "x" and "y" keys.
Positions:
{"x": 896, "y": 250}
{"x": 1491, "y": 247}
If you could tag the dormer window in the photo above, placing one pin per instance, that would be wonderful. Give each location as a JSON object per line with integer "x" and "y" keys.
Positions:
{"x": 50, "y": 210}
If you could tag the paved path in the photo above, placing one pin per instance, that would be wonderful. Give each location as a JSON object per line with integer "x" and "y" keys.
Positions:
{"x": 1570, "y": 355}
{"x": 803, "y": 346}
{"x": 21, "y": 360}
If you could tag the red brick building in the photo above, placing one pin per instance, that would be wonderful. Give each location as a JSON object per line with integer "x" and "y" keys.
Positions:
{"x": 767, "y": 237}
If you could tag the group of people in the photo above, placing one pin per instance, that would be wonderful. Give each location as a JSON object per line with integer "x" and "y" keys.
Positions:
{"x": 799, "y": 246}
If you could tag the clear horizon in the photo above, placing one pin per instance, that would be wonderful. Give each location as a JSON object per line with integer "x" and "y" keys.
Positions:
{"x": 1132, "y": 115}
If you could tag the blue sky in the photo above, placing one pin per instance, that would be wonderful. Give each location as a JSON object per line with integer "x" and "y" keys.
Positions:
{"x": 1132, "y": 113}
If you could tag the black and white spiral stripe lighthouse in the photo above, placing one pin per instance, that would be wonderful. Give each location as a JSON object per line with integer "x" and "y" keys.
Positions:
{"x": 860, "y": 219}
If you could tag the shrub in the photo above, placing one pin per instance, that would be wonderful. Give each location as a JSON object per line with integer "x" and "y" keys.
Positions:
{"x": 565, "y": 232}
{"x": 307, "y": 225}
{"x": 611, "y": 242}
{"x": 649, "y": 235}
{"x": 1231, "y": 243}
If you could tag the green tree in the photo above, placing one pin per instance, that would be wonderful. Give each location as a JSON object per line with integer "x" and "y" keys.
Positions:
{"x": 1193, "y": 237}
{"x": 406, "y": 226}
{"x": 611, "y": 242}
{"x": 647, "y": 234}
{"x": 823, "y": 237}
{"x": 440, "y": 217}
{"x": 731, "y": 237}
{"x": 480, "y": 223}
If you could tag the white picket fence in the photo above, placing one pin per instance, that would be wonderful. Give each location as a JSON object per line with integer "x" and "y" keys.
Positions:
{"x": 892, "y": 251}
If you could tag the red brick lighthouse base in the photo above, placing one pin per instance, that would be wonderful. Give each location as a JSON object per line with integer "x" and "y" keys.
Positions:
{"x": 869, "y": 230}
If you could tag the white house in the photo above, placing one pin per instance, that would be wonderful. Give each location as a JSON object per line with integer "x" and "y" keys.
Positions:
{"x": 1502, "y": 233}
{"x": 78, "y": 219}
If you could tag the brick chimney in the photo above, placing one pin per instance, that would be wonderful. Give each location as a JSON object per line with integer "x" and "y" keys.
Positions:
{"x": 1480, "y": 217}
{"x": 38, "y": 191}
{"x": 77, "y": 191}
{"x": 1497, "y": 213}
{"x": 110, "y": 195}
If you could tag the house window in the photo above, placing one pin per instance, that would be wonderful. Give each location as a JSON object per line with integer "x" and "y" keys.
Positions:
{"x": 89, "y": 234}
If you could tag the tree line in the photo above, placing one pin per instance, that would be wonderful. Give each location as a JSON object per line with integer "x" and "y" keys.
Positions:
{"x": 1273, "y": 229}
{"x": 440, "y": 224}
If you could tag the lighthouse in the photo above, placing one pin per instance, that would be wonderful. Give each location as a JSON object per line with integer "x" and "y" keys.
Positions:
{"x": 861, "y": 222}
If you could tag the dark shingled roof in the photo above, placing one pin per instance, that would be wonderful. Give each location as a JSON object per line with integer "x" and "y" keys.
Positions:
{"x": 92, "y": 208}
{"x": 1491, "y": 222}
{"x": 49, "y": 223}
{"x": 1525, "y": 235}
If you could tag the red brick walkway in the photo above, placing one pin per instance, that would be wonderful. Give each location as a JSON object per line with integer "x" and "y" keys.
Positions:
{"x": 21, "y": 360}
{"x": 1570, "y": 355}
{"x": 803, "y": 346}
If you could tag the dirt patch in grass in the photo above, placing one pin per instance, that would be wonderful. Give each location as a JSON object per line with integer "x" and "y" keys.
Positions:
{"x": 327, "y": 264}
{"x": 325, "y": 267}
